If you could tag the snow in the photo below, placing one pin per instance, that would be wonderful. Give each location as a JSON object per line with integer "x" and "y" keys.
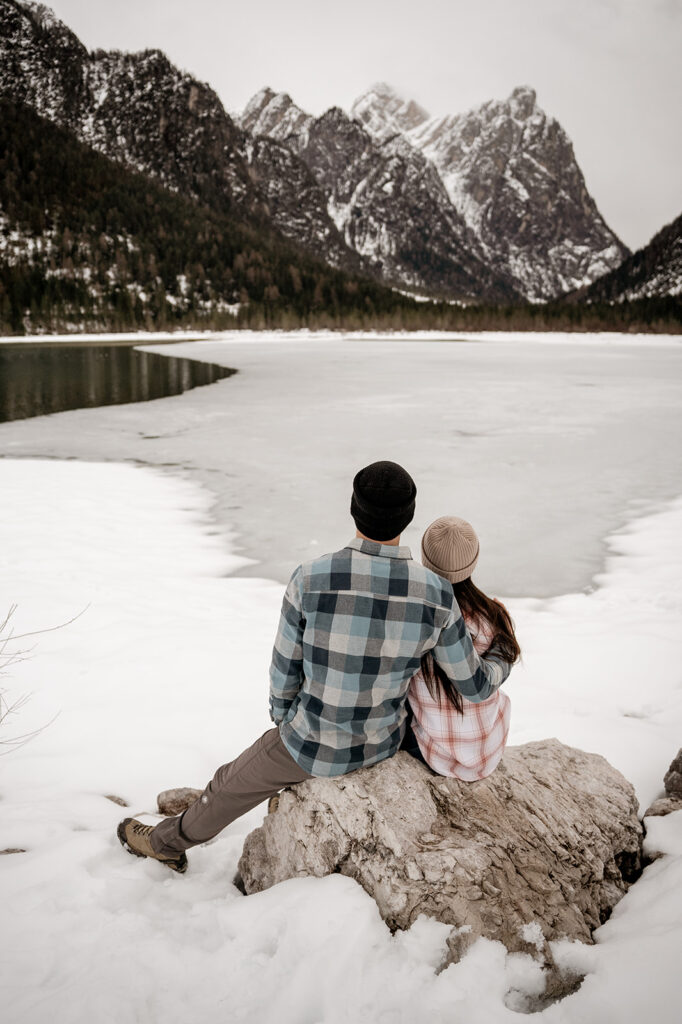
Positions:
{"x": 105, "y": 337}
{"x": 599, "y": 339}
{"x": 163, "y": 676}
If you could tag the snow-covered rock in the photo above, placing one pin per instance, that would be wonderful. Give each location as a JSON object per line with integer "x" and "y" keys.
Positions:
{"x": 175, "y": 801}
{"x": 510, "y": 171}
{"x": 275, "y": 115}
{"x": 384, "y": 113}
{"x": 385, "y": 198}
{"x": 297, "y": 203}
{"x": 673, "y": 777}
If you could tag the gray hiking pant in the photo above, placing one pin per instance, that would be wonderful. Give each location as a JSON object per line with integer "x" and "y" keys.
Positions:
{"x": 258, "y": 773}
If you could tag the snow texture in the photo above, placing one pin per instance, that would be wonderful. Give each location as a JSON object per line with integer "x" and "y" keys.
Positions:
{"x": 163, "y": 676}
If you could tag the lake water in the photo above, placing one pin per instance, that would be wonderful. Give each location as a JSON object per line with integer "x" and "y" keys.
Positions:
{"x": 49, "y": 378}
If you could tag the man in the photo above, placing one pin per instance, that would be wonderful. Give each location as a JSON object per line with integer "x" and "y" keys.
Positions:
{"x": 353, "y": 628}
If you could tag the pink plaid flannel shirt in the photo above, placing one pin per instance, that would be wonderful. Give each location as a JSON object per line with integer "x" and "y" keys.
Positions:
{"x": 467, "y": 746}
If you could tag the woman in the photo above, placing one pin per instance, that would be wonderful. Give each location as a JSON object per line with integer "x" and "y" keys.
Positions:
{"x": 452, "y": 735}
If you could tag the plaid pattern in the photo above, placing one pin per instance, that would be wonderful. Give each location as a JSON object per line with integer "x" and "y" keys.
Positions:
{"x": 467, "y": 746}
{"x": 353, "y": 628}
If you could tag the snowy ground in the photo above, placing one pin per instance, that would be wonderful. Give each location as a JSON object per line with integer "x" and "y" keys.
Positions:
{"x": 547, "y": 444}
{"x": 163, "y": 677}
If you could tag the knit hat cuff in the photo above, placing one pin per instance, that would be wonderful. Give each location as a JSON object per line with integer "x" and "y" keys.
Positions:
{"x": 383, "y": 500}
{"x": 381, "y": 524}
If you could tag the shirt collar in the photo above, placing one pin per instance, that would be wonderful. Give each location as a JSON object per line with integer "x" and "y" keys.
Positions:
{"x": 371, "y": 547}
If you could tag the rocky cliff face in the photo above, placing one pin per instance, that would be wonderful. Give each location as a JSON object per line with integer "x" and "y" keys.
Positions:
{"x": 386, "y": 199}
{"x": 654, "y": 271}
{"x": 510, "y": 172}
{"x": 276, "y": 116}
{"x": 297, "y": 204}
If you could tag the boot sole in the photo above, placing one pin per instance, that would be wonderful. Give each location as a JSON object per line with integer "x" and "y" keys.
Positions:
{"x": 179, "y": 865}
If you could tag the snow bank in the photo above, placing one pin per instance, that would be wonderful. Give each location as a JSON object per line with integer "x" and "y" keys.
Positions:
{"x": 545, "y": 337}
{"x": 164, "y": 676}
{"x": 104, "y": 337}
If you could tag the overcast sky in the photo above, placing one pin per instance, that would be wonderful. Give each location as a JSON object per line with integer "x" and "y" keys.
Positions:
{"x": 608, "y": 70}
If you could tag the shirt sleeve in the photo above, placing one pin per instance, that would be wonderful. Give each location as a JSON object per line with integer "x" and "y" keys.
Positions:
{"x": 475, "y": 677}
{"x": 286, "y": 668}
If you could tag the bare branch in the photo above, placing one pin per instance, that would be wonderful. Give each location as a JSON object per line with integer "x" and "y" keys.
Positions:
{"x": 9, "y": 658}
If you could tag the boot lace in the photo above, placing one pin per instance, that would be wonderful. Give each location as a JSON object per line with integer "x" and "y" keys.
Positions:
{"x": 142, "y": 830}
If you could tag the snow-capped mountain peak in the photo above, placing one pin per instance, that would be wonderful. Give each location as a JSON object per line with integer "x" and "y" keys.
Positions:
{"x": 275, "y": 115}
{"x": 384, "y": 113}
{"x": 510, "y": 172}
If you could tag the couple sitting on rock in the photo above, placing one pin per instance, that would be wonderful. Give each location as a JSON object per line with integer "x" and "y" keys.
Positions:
{"x": 374, "y": 652}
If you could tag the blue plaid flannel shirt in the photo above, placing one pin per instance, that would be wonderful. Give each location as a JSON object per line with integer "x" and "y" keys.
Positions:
{"x": 353, "y": 628}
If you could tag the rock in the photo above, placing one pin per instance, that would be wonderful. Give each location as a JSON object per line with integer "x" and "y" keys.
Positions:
{"x": 551, "y": 839}
{"x": 673, "y": 777}
{"x": 116, "y": 799}
{"x": 175, "y": 801}
{"x": 672, "y": 801}
{"x": 665, "y": 805}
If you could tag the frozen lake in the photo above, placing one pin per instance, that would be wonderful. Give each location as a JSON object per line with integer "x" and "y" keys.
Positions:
{"x": 545, "y": 446}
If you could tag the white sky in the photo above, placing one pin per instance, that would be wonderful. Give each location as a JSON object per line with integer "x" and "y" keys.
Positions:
{"x": 608, "y": 70}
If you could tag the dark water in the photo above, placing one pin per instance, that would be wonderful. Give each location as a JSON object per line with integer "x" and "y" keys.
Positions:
{"x": 39, "y": 379}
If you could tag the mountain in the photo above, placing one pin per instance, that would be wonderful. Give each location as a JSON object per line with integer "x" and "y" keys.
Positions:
{"x": 653, "y": 272}
{"x": 140, "y": 110}
{"x": 87, "y": 244}
{"x": 510, "y": 172}
{"x": 489, "y": 206}
{"x": 386, "y": 200}
{"x": 135, "y": 108}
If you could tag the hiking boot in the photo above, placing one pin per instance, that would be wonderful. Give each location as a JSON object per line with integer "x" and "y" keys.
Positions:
{"x": 136, "y": 839}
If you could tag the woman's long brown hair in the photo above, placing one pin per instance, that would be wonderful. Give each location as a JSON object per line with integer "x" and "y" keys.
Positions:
{"x": 474, "y": 604}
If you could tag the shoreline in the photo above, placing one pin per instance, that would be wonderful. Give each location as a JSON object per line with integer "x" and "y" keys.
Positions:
{"x": 236, "y": 336}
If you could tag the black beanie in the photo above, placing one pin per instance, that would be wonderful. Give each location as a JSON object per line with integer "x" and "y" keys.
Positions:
{"x": 383, "y": 500}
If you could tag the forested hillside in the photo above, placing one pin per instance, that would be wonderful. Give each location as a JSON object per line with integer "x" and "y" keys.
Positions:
{"x": 653, "y": 271}
{"x": 87, "y": 244}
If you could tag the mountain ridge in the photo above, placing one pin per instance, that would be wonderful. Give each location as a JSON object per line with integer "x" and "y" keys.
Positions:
{"x": 510, "y": 172}
{"x": 386, "y": 200}
{"x": 485, "y": 207}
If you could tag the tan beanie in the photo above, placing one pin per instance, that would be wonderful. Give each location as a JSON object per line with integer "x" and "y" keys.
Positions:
{"x": 450, "y": 548}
